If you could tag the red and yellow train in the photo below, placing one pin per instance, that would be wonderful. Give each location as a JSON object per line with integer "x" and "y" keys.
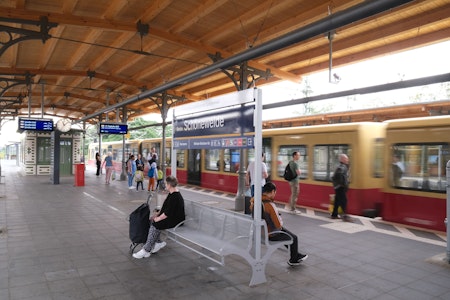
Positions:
{"x": 398, "y": 167}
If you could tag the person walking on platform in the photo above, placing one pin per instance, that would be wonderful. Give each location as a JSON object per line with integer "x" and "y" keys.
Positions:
{"x": 98, "y": 162}
{"x": 250, "y": 175}
{"x": 340, "y": 184}
{"x": 170, "y": 215}
{"x": 131, "y": 170}
{"x": 152, "y": 177}
{"x": 269, "y": 212}
{"x": 294, "y": 184}
{"x": 108, "y": 163}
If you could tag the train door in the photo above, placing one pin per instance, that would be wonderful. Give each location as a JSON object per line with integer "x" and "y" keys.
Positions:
{"x": 194, "y": 167}
{"x": 65, "y": 163}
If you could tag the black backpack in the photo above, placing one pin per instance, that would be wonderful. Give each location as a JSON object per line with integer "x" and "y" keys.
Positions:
{"x": 288, "y": 174}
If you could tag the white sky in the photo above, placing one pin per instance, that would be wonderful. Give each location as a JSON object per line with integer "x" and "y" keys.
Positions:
{"x": 426, "y": 61}
{"x": 422, "y": 62}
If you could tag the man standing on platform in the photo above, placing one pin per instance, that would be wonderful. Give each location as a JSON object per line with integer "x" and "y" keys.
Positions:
{"x": 294, "y": 184}
{"x": 340, "y": 185}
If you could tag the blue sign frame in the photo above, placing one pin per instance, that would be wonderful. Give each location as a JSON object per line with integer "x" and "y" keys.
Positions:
{"x": 230, "y": 121}
{"x": 36, "y": 124}
{"x": 113, "y": 128}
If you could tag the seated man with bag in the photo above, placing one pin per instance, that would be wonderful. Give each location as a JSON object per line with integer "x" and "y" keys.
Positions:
{"x": 275, "y": 223}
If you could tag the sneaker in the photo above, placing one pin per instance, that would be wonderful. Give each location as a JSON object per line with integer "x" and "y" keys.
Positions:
{"x": 293, "y": 263}
{"x": 299, "y": 259}
{"x": 158, "y": 246}
{"x": 334, "y": 217}
{"x": 131, "y": 187}
{"x": 296, "y": 212}
{"x": 303, "y": 257}
{"x": 141, "y": 254}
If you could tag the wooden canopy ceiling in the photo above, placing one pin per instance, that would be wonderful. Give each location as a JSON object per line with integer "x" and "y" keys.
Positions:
{"x": 74, "y": 58}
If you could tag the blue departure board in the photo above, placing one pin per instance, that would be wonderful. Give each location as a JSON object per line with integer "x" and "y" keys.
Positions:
{"x": 113, "y": 128}
{"x": 35, "y": 124}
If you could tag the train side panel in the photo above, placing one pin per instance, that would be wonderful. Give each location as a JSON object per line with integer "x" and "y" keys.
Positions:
{"x": 357, "y": 140}
{"x": 417, "y": 197}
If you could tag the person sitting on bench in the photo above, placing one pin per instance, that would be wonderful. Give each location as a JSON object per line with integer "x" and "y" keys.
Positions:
{"x": 275, "y": 223}
{"x": 171, "y": 213}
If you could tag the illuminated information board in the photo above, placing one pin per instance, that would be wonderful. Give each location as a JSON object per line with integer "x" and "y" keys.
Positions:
{"x": 35, "y": 124}
{"x": 113, "y": 128}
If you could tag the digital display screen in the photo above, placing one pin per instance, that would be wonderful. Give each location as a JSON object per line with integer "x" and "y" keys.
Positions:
{"x": 113, "y": 128}
{"x": 35, "y": 124}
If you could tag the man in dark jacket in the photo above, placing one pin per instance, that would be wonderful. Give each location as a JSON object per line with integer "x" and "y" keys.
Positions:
{"x": 340, "y": 185}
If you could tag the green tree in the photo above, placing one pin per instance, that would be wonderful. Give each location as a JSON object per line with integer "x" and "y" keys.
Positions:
{"x": 146, "y": 130}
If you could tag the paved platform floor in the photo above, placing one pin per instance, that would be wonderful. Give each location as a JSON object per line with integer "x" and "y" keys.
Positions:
{"x": 67, "y": 242}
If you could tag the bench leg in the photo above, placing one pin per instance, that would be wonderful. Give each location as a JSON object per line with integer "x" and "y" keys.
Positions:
{"x": 258, "y": 272}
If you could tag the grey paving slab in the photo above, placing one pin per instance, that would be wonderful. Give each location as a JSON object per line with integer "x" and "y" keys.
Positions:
{"x": 67, "y": 242}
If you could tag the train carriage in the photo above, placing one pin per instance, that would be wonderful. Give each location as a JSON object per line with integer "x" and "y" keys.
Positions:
{"x": 319, "y": 147}
{"x": 417, "y": 151}
{"x": 117, "y": 150}
{"x": 413, "y": 193}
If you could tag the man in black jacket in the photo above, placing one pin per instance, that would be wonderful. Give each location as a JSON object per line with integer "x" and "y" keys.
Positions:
{"x": 340, "y": 185}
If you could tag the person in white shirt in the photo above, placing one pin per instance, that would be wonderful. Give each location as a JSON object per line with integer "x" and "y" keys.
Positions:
{"x": 250, "y": 175}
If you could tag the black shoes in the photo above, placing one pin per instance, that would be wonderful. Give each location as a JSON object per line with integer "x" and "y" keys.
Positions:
{"x": 300, "y": 258}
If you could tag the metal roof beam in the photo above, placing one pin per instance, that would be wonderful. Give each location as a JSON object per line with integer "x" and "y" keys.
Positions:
{"x": 330, "y": 23}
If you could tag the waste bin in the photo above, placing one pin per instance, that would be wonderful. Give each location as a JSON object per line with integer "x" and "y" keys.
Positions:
{"x": 79, "y": 174}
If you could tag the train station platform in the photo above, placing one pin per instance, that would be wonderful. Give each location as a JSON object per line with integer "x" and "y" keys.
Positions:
{"x": 71, "y": 242}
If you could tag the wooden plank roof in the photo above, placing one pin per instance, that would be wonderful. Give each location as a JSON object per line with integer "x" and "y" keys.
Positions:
{"x": 99, "y": 53}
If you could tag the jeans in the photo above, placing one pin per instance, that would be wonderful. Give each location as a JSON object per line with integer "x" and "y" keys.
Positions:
{"x": 130, "y": 179}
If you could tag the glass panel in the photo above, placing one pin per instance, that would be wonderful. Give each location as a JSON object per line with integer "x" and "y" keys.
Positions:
{"x": 326, "y": 159}
{"x": 235, "y": 160}
{"x": 44, "y": 151}
{"x": 212, "y": 160}
{"x": 285, "y": 155}
{"x": 378, "y": 163}
{"x": 267, "y": 149}
{"x": 180, "y": 159}
{"x": 168, "y": 155}
{"x": 420, "y": 166}
{"x": 231, "y": 158}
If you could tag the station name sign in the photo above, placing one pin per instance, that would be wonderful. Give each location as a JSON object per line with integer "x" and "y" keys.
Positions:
{"x": 113, "y": 128}
{"x": 35, "y": 124}
{"x": 230, "y": 121}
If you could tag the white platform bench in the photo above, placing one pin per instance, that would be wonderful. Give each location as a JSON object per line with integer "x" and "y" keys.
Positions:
{"x": 215, "y": 233}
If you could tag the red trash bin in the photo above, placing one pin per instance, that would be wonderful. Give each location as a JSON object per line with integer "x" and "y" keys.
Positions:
{"x": 79, "y": 174}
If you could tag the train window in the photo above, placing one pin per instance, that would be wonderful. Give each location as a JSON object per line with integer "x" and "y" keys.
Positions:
{"x": 212, "y": 160}
{"x": 285, "y": 155}
{"x": 180, "y": 159}
{"x": 44, "y": 150}
{"x": 115, "y": 155}
{"x": 326, "y": 159}
{"x": 232, "y": 160}
{"x": 267, "y": 150}
{"x": 420, "y": 166}
{"x": 378, "y": 163}
{"x": 168, "y": 155}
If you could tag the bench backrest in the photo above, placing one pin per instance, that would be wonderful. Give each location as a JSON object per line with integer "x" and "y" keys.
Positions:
{"x": 220, "y": 223}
